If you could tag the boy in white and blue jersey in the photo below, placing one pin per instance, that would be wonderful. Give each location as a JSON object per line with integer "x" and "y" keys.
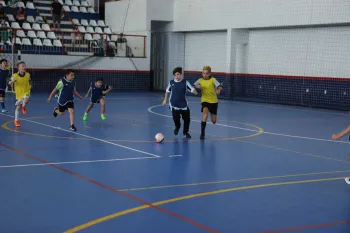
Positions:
{"x": 177, "y": 89}
{"x": 4, "y": 75}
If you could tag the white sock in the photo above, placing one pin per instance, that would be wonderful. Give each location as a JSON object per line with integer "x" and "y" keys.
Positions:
{"x": 23, "y": 104}
{"x": 16, "y": 114}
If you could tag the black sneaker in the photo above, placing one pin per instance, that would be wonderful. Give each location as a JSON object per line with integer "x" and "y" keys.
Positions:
{"x": 202, "y": 136}
{"x": 54, "y": 112}
{"x": 187, "y": 135}
{"x": 176, "y": 131}
{"x": 73, "y": 128}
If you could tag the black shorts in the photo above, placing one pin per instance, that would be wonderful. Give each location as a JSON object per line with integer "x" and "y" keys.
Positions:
{"x": 2, "y": 93}
{"x": 212, "y": 107}
{"x": 63, "y": 108}
{"x": 95, "y": 100}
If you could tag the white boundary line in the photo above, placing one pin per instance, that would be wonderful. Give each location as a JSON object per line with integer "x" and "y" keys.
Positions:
{"x": 150, "y": 110}
{"x": 83, "y": 135}
{"x": 74, "y": 162}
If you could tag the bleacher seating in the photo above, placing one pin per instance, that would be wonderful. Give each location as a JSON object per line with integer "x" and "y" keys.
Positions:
{"x": 37, "y": 35}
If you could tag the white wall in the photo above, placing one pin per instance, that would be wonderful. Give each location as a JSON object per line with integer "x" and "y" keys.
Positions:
{"x": 136, "y": 18}
{"x": 196, "y": 15}
{"x": 323, "y": 52}
{"x": 98, "y": 63}
{"x": 205, "y": 48}
{"x": 162, "y": 10}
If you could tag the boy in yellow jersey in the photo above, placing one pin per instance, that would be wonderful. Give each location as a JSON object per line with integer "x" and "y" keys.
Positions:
{"x": 210, "y": 88}
{"x": 22, "y": 85}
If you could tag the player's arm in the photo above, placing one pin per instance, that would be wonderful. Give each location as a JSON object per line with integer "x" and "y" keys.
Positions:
{"x": 75, "y": 92}
{"x": 191, "y": 88}
{"x": 110, "y": 88}
{"x": 197, "y": 84}
{"x": 166, "y": 95}
{"x": 218, "y": 87}
{"x": 58, "y": 87}
{"x": 12, "y": 80}
{"x": 87, "y": 94}
{"x": 30, "y": 82}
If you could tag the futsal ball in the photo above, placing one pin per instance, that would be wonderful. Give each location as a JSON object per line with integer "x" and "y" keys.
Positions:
{"x": 159, "y": 137}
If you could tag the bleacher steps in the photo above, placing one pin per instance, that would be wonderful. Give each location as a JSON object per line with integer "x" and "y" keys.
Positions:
{"x": 62, "y": 22}
{"x": 80, "y": 54}
{"x": 43, "y": 2}
{"x": 45, "y": 8}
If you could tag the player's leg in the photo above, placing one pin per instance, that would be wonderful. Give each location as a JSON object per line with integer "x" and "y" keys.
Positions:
{"x": 89, "y": 107}
{"x": 176, "y": 119}
{"x": 70, "y": 107}
{"x": 213, "y": 109}
{"x": 103, "y": 108}
{"x": 59, "y": 110}
{"x": 18, "y": 108}
{"x": 205, "y": 112}
{"x": 186, "y": 117}
{"x": 341, "y": 134}
{"x": 2, "y": 100}
{"x": 24, "y": 103}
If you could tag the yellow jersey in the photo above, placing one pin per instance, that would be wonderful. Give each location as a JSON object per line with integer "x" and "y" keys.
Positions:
{"x": 208, "y": 87}
{"x": 21, "y": 85}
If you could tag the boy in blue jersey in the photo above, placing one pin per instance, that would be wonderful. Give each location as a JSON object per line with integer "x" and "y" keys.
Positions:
{"x": 67, "y": 90}
{"x": 177, "y": 89}
{"x": 4, "y": 75}
{"x": 98, "y": 91}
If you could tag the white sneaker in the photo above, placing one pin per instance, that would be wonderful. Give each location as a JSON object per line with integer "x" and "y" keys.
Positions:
{"x": 347, "y": 180}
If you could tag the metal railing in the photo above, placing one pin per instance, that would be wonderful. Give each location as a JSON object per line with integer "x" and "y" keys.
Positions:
{"x": 35, "y": 41}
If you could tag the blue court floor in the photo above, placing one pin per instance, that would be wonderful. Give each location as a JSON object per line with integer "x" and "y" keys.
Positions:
{"x": 262, "y": 169}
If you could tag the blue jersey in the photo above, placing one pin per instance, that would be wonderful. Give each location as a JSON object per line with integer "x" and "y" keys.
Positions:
{"x": 4, "y": 74}
{"x": 66, "y": 89}
{"x": 177, "y": 90}
{"x": 96, "y": 92}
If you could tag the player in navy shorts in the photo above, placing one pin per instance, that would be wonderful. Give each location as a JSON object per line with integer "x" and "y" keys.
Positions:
{"x": 98, "y": 92}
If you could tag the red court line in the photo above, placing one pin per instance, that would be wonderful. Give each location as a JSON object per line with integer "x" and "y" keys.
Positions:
{"x": 112, "y": 189}
{"x": 308, "y": 227}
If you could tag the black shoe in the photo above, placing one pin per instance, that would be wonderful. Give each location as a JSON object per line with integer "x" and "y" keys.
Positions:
{"x": 187, "y": 135}
{"x": 176, "y": 131}
{"x": 72, "y": 127}
{"x": 54, "y": 112}
{"x": 202, "y": 136}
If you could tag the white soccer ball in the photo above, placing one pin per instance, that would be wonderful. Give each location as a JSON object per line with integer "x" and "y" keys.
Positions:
{"x": 159, "y": 137}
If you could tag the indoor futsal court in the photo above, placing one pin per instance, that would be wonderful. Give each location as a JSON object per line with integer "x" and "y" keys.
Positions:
{"x": 262, "y": 168}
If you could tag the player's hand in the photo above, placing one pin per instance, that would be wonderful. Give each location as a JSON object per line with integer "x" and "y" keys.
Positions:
{"x": 49, "y": 100}
{"x": 164, "y": 102}
{"x": 195, "y": 92}
{"x": 82, "y": 99}
{"x": 86, "y": 96}
{"x": 218, "y": 91}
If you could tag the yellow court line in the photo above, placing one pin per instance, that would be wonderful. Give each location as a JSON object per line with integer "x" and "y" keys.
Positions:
{"x": 6, "y": 127}
{"x": 231, "y": 181}
{"x": 132, "y": 210}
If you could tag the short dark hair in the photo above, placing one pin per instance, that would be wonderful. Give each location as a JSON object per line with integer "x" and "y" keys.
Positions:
{"x": 99, "y": 79}
{"x": 177, "y": 70}
{"x": 20, "y": 63}
{"x": 2, "y": 60}
{"x": 69, "y": 71}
